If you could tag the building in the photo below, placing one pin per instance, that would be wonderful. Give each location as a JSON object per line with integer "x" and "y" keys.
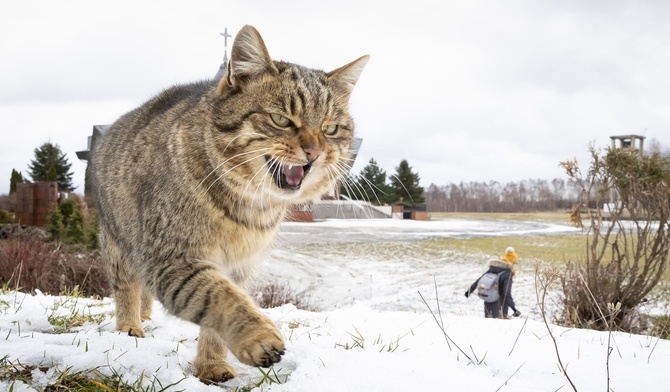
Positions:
{"x": 628, "y": 142}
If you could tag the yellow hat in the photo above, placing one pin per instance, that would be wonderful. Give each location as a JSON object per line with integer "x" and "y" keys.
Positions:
{"x": 510, "y": 256}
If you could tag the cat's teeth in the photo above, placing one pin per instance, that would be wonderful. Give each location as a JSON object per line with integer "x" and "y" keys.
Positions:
{"x": 290, "y": 166}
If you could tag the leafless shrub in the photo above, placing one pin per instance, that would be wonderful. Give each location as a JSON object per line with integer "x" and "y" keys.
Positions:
{"x": 272, "y": 294}
{"x": 26, "y": 263}
{"x": 626, "y": 199}
{"x": 29, "y": 263}
{"x": 85, "y": 270}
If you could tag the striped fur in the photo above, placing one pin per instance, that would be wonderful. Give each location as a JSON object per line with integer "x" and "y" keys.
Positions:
{"x": 192, "y": 185}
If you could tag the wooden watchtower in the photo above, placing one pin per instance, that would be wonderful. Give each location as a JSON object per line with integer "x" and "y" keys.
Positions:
{"x": 628, "y": 142}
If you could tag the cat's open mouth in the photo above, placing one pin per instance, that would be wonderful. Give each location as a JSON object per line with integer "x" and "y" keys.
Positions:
{"x": 287, "y": 176}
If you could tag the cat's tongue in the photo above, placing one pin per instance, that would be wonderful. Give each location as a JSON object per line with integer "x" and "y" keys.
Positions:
{"x": 294, "y": 174}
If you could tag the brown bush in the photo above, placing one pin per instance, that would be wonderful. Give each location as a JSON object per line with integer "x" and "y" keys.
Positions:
{"x": 585, "y": 306}
{"x": 272, "y": 294}
{"x": 86, "y": 270}
{"x": 29, "y": 263}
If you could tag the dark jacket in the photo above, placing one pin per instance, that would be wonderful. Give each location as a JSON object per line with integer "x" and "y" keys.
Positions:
{"x": 501, "y": 307}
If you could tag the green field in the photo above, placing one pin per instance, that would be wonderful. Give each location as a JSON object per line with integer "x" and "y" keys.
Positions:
{"x": 558, "y": 249}
{"x": 553, "y": 249}
{"x": 546, "y": 216}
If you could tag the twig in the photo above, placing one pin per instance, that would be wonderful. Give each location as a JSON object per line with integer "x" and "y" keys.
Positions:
{"x": 652, "y": 349}
{"x": 439, "y": 311}
{"x": 518, "y": 335}
{"x": 542, "y": 304}
{"x": 446, "y": 337}
{"x": 511, "y": 375}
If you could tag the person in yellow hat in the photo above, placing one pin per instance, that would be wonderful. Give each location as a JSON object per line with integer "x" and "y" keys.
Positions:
{"x": 495, "y": 286}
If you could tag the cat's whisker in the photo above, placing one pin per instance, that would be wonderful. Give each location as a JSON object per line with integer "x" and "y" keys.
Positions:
{"x": 262, "y": 181}
{"x": 333, "y": 179}
{"x": 375, "y": 189}
{"x": 238, "y": 165}
{"x": 346, "y": 182}
{"x": 224, "y": 162}
{"x": 354, "y": 188}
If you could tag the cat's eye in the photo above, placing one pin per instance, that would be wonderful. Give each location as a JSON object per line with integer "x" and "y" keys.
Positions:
{"x": 329, "y": 129}
{"x": 279, "y": 120}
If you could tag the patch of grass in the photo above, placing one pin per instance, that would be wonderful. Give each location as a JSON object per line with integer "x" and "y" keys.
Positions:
{"x": 358, "y": 341}
{"x": 558, "y": 216}
{"x": 271, "y": 376}
{"x": 382, "y": 250}
{"x": 553, "y": 249}
{"x": 67, "y": 313}
{"x": 95, "y": 380}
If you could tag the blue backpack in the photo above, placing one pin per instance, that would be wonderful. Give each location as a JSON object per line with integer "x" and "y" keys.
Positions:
{"x": 487, "y": 287}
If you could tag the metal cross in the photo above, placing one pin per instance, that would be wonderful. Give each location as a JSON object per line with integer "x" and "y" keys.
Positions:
{"x": 225, "y": 37}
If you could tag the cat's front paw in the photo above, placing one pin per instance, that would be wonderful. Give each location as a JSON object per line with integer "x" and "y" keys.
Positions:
{"x": 133, "y": 330}
{"x": 213, "y": 372}
{"x": 259, "y": 345}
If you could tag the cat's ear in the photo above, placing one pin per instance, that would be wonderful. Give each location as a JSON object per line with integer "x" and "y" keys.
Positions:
{"x": 347, "y": 76}
{"x": 248, "y": 58}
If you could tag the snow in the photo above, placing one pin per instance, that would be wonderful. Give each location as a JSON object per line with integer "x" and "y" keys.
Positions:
{"x": 373, "y": 333}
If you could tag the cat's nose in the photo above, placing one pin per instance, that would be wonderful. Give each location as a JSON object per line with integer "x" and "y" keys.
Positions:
{"x": 312, "y": 153}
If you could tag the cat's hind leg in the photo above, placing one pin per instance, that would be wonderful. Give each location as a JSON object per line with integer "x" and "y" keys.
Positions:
{"x": 147, "y": 304}
{"x": 210, "y": 364}
{"x": 128, "y": 291}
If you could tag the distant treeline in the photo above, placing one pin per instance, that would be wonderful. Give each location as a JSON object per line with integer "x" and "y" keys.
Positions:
{"x": 523, "y": 196}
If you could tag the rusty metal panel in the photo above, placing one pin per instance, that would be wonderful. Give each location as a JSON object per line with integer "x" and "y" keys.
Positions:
{"x": 33, "y": 202}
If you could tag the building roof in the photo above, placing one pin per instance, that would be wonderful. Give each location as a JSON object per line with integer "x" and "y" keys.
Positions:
{"x": 98, "y": 130}
{"x": 628, "y": 137}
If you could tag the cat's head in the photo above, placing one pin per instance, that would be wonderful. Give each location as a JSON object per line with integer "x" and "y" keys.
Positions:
{"x": 284, "y": 131}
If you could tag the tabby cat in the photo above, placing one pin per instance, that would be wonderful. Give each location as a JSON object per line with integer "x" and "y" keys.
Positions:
{"x": 193, "y": 185}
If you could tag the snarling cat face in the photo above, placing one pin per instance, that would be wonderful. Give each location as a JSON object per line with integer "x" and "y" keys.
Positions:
{"x": 285, "y": 132}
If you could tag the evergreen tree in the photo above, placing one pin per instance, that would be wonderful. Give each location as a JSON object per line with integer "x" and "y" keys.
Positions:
{"x": 50, "y": 164}
{"x": 91, "y": 232}
{"x": 16, "y": 178}
{"x": 370, "y": 185}
{"x": 55, "y": 226}
{"x": 74, "y": 227}
{"x": 67, "y": 223}
{"x": 67, "y": 208}
{"x": 6, "y": 217}
{"x": 405, "y": 185}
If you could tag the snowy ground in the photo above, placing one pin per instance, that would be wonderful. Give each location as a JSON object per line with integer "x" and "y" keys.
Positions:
{"x": 374, "y": 332}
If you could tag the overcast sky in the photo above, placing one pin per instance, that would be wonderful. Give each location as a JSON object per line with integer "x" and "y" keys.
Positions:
{"x": 464, "y": 90}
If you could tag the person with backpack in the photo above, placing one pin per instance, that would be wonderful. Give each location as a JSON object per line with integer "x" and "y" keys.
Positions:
{"x": 495, "y": 286}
